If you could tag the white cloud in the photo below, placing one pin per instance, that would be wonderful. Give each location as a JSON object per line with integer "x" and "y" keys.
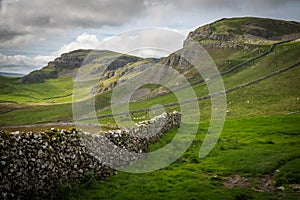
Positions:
{"x": 147, "y": 42}
{"x": 84, "y": 41}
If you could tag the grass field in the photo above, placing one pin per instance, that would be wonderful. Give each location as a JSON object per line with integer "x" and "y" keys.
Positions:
{"x": 249, "y": 148}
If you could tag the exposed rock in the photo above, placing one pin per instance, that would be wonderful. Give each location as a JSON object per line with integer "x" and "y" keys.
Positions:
{"x": 61, "y": 65}
{"x": 231, "y": 33}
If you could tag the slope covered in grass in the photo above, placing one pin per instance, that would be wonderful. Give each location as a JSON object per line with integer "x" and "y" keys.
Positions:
{"x": 252, "y": 148}
{"x": 279, "y": 92}
{"x": 50, "y": 91}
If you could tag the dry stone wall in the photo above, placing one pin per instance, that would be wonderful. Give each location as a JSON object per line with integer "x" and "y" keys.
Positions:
{"x": 33, "y": 165}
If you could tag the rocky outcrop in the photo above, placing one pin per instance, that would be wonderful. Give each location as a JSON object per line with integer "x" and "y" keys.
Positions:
{"x": 234, "y": 32}
{"x": 33, "y": 165}
{"x": 38, "y": 76}
{"x": 61, "y": 65}
{"x": 112, "y": 64}
{"x": 116, "y": 73}
{"x": 201, "y": 33}
{"x": 67, "y": 63}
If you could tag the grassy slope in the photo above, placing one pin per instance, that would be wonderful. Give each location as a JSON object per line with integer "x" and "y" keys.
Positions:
{"x": 250, "y": 147}
{"x": 11, "y": 91}
{"x": 269, "y": 91}
{"x": 241, "y": 25}
{"x": 282, "y": 97}
{"x": 226, "y": 58}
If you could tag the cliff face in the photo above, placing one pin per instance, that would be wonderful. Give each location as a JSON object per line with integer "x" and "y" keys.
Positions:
{"x": 61, "y": 65}
{"x": 68, "y": 63}
{"x": 38, "y": 76}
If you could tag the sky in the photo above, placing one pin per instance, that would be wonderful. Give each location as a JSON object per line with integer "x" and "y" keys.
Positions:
{"x": 34, "y": 32}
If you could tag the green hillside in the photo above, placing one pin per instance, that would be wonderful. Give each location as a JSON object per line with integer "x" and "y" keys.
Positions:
{"x": 249, "y": 30}
{"x": 274, "y": 89}
{"x": 50, "y": 91}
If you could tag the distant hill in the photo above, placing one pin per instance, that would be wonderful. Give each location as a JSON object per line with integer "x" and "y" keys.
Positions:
{"x": 65, "y": 63}
{"x": 11, "y": 74}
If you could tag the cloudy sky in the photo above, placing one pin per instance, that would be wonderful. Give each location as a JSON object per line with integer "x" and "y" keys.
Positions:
{"x": 32, "y": 32}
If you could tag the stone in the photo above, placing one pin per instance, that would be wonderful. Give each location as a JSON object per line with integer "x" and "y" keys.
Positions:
{"x": 21, "y": 153}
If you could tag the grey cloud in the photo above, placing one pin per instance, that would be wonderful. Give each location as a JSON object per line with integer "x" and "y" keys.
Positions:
{"x": 230, "y": 3}
{"x": 6, "y": 34}
{"x": 11, "y": 68}
{"x": 39, "y": 18}
{"x": 19, "y": 63}
{"x": 256, "y": 7}
{"x": 64, "y": 13}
